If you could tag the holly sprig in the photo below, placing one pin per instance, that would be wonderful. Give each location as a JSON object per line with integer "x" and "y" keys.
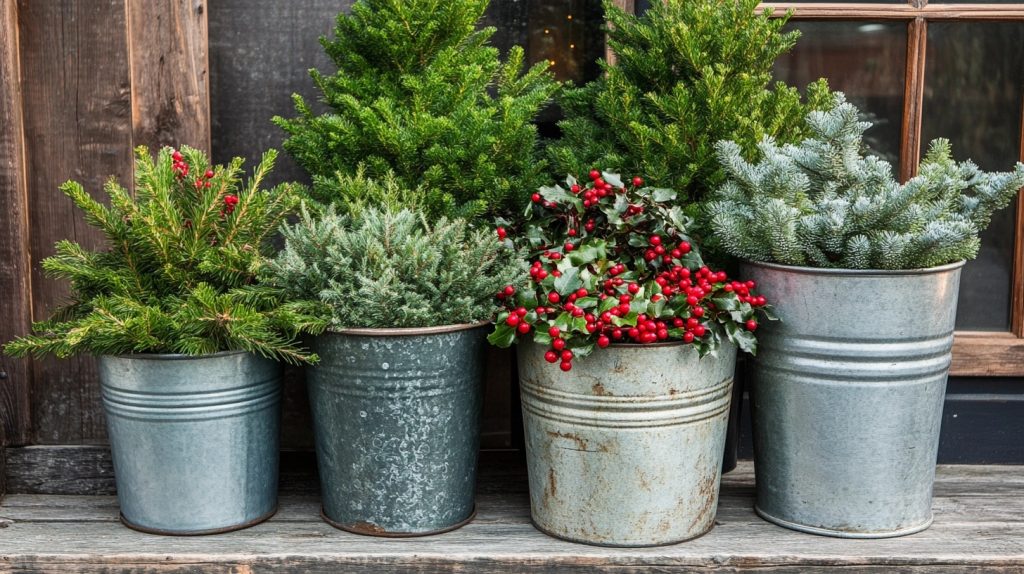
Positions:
{"x": 613, "y": 263}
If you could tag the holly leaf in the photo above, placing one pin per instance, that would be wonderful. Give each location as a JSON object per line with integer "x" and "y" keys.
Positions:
{"x": 661, "y": 195}
{"x": 541, "y": 337}
{"x": 503, "y": 336}
{"x": 744, "y": 339}
{"x": 627, "y": 321}
{"x": 559, "y": 195}
{"x": 727, "y": 302}
{"x": 583, "y": 350}
{"x": 588, "y": 252}
{"x": 569, "y": 281}
{"x": 613, "y": 179}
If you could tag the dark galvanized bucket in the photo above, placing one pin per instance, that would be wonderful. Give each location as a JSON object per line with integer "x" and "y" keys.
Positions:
{"x": 626, "y": 449}
{"x": 396, "y": 416}
{"x": 194, "y": 439}
{"x": 847, "y": 397}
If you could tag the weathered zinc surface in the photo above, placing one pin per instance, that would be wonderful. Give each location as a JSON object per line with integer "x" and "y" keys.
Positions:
{"x": 979, "y": 527}
{"x": 194, "y": 439}
{"x": 396, "y": 417}
{"x": 626, "y": 449}
{"x": 847, "y": 405}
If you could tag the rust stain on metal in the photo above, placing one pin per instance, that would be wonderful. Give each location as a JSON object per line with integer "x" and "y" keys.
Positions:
{"x": 366, "y": 528}
{"x": 708, "y": 500}
{"x": 582, "y": 444}
{"x": 599, "y": 390}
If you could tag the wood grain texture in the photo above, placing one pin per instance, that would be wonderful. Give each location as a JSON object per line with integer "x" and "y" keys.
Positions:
{"x": 880, "y": 11}
{"x": 1017, "y": 291}
{"x": 978, "y": 528}
{"x": 913, "y": 98}
{"x": 169, "y": 72}
{"x": 984, "y": 354}
{"x": 77, "y": 91}
{"x": 15, "y": 263}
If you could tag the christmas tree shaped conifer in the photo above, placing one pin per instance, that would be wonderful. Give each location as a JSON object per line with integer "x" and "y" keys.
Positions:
{"x": 687, "y": 73}
{"x": 420, "y": 93}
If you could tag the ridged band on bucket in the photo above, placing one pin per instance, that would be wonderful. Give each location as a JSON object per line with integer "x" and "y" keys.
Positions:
{"x": 396, "y": 417}
{"x": 847, "y": 395}
{"x": 194, "y": 440}
{"x": 626, "y": 449}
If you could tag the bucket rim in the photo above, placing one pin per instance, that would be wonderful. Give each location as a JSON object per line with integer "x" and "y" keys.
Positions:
{"x": 406, "y": 331}
{"x": 856, "y": 272}
{"x": 175, "y": 356}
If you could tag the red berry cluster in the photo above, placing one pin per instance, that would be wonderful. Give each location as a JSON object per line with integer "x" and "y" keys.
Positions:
{"x": 180, "y": 168}
{"x": 230, "y": 201}
{"x": 612, "y": 263}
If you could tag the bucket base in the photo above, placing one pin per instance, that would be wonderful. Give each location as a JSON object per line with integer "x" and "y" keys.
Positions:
{"x": 605, "y": 545}
{"x": 843, "y": 533}
{"x": 160, "y": 532}
{"x": 371, "y": 530}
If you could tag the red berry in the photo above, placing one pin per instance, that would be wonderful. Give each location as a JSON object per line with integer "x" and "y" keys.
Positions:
{"x": 567, "y": 355}
{"x": 751, "y": 325}
{"x": 176, "y": 156}
{"x": 594, "y": 174}
{"x": 685, "y": 247}
{"x": 535, "y": 198}
{"x": 575, "y": 188}
{"x": 655, "y": 240}
{"x": 551, "y": 357}
{"x": 687, "y": 337}
{"x": 699, "y": 330}
{"x": 509, "y": 290}
{"x": 638, "y": 181}
{"x": 512, "y": 320}
{"x": 633, "y": 288}
{"x": 565, "y": 366}
{"x": 208, "y": 174}
{"x": 571, "y": 233}
{"x": 502, "y": 234}
{"x": 523, "y": 328}
{"x": 558, "y": 344}
{"x": 554, "y": 332}
{"x": 603, "y": 341}
{"x": 569, "y": 247}
{"x": 554, "y": 297}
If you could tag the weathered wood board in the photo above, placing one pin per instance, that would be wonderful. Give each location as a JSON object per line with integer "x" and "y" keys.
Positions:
{"x": 979, "y": 527}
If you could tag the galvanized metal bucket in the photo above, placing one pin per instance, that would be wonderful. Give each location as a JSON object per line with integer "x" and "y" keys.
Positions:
{"x": 626, "y": 449}
{"x": 847, "y": 397}
{"x": 194, "y": 439}
{"x": 396, "y": 417}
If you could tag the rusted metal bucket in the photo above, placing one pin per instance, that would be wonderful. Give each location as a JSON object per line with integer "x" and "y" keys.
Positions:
{"x": 396, "y": 416}
{"x": 626, "y": 449}
{"x": 194, "y": 439}
{"x": 847, "y": 397}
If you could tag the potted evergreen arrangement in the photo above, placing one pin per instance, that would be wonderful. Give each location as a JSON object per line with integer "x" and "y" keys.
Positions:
{"x": 188, "y": 344}
{"x": 397, "y": 395}
{"x": 419, "y": 93}
{"x": 628, "y": 347}
{"x": 849, "y": 386}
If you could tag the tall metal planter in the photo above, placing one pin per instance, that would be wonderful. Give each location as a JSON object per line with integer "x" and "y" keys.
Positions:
{"x": 847, "y": 397}
{"x": 626, "y": 449}
{"x": 396, "y": 415}
{"x": 194, "y": 439}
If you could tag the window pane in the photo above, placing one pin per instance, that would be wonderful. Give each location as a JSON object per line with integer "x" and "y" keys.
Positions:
{"x": 866, "y": 61}
{"x": 973, "y": 94}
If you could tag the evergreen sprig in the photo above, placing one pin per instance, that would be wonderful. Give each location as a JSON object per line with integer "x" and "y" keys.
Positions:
{"x": 389, "y": 267}
{"x": 420, "y": 93}
{"x": 687, "y": 74}
{"x": 180, "y": 272}
{"x": 823, "y": 203}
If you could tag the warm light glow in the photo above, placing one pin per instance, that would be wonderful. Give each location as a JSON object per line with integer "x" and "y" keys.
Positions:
{"x": 571, "y": 46}
{"x": 569, "y": 17}
{"x": 546, "y": 31}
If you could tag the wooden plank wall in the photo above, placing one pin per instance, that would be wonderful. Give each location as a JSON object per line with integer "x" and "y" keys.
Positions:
{"x": 97, "y": 78}
{"x": 15, "y": 288}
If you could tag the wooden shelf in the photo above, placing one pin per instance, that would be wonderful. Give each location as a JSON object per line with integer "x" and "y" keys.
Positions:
{"x": 979, "y": 526}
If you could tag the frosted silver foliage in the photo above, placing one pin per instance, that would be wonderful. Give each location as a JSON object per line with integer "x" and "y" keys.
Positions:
{"x": 388, "y": 267}
{"x": 824, "y": 203}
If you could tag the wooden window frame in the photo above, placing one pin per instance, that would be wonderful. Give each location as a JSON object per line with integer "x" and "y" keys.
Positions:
{"x": 975, "y": 353}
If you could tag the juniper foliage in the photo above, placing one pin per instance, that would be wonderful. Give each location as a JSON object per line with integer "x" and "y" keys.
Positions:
{"x": 180, "y": 272}
{"x": 687, "y": 73}
{"x": 823, "y": 203}
{"x": 388, "y": 267}
{"x": 420, "y": 92}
